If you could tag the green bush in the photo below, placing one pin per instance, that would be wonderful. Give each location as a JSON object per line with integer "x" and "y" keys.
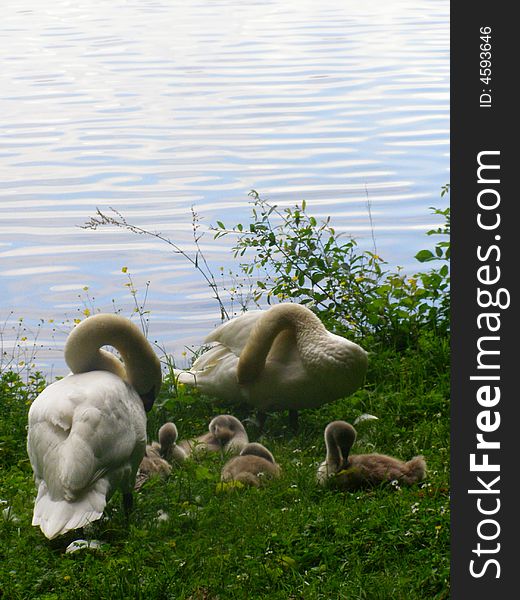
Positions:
{"x": 302, "y": 259}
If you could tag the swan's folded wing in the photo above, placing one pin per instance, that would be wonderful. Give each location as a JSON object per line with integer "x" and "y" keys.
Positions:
{"x": 234, "y": 333}
{"x": 107, "y": 432}
{"x": 210, "y": 359}
{"x": 50, "y": 420}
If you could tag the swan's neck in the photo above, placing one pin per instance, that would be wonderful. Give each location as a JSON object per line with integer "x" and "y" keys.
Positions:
{"x": 255, "y": 449}
{"x": 338, "y": 441}
{"x": 334, "y": 458}
{"x": 307, "y": 328}
{"x": 142, "y": 368}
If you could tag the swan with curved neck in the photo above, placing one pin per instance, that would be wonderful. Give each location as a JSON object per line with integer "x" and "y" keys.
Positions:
{"x": 87, "y": 431}
{"x": 140, "y": 367}
{"x": 254, "y": 463}
{"x": 280, "y": 358}
{"x": 351, "y": 472}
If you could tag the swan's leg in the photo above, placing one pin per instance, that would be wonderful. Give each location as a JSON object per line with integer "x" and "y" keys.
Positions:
{"x": 128, "y": 503}
{"x": 293, "y": 419}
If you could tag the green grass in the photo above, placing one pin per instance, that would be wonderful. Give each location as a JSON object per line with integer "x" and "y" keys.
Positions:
{"x": 289, "y": 540}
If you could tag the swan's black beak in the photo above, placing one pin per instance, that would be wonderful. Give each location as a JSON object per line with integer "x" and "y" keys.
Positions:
{"x": 148, "y": 399}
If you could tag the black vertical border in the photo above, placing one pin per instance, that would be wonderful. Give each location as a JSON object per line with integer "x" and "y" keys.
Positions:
{"x": 475, "y": 129}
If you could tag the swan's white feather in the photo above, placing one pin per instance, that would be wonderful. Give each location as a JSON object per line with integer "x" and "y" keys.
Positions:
{"x": 233, "y": 334}
{"x": 56, "y": 517}
{"x": 86, "y": 438}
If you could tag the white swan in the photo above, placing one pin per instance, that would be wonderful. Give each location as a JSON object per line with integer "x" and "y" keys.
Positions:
{"x": 226, "y": 434}
{"x": 351, "y": 472}
{"x": 254, "y": 463}
{"x": 280, "y": 358}
{"x": 87, "y": 431}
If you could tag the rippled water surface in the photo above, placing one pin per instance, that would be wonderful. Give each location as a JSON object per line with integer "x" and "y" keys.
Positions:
{"x": 151, "y": 109}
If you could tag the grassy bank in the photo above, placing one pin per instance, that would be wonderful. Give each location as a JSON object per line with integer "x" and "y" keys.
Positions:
{"x": 289, "y": 540}
{"x": 188, "y": 538}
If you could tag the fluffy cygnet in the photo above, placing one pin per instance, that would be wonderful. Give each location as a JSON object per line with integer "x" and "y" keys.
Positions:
{"x": 226, "y": 434}
{"x": 152, "y": 464}
{"x": 167, "y": 447}
{"x": 351, "y": 472}
{"x": 254, "y": 463}
{"x": 159, "y": 455}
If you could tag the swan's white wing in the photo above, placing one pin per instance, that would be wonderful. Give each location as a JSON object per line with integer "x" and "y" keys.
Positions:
{"x": 216, "y": 367}
{"x": 87, "y": 435}
{"x": 234, "y": 333}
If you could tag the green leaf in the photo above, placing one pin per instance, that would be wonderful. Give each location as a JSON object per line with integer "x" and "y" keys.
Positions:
{"x": 202, "y": 473}
{"x": 424, "y": 255}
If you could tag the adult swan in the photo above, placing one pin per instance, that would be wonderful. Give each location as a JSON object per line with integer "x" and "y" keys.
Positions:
{"x": 87, "y": 431}
{"x": 280, "y": 358}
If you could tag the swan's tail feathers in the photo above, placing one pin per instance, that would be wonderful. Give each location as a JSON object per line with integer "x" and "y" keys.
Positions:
{"x": 57, "y": 516}
{"x": 185, "y": 377}
{"x": 416, "y": 470}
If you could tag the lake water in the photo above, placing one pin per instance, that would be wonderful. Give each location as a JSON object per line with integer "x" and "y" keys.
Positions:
{"x": 151, "y": 109}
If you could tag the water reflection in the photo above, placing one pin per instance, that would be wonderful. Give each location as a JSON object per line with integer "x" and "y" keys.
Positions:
{"x": 151, "y": 109}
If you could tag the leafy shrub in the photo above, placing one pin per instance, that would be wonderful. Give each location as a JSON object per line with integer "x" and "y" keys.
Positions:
{"x": 306, "y": 260}
{"x": 287, "y": 254}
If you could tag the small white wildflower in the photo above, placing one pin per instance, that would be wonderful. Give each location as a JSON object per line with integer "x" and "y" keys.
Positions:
{"x": 162, "y": 516}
